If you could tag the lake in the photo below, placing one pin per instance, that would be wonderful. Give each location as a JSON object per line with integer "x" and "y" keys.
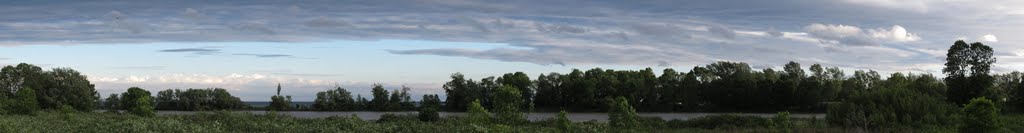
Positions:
{"x": 365, "y": 115}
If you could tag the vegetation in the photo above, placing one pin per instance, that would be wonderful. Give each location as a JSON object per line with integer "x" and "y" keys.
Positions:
{"x": 196, "y": 100}
{"x": 980, "y": 116}
{"x": 858, "y": 103}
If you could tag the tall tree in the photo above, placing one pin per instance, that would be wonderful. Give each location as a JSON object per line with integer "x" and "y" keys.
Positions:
{"x": 130, "y": 98}
{"x": 380, "y": 98}
{"x": 967, "y": 69}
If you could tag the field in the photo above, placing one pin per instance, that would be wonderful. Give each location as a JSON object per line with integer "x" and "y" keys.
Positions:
{"x": 273, "y": 122}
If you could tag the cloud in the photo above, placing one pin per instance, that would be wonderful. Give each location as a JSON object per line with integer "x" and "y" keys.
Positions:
{"x": 326, "y": 22}
{"x": 989, "y": 38}
{"x": 267, "y": 55}
{"x": 722, "y": 31}
{"x": 200, "y": 51}
{"x": 855, "y": 36}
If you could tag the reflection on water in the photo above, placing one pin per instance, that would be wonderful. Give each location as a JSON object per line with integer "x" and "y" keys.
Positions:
{"x": 531, "y": 116}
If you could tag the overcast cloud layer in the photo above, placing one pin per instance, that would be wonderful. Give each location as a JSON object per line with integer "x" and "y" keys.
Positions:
{"x": 884, "y": 35}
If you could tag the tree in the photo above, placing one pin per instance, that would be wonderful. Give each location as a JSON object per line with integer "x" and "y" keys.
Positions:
{"x": 507, "y": 100}
{"x": 967, "y": 68}
{"x": 130, "y": 98}
{"x": 562, "y": 121}
{"x": 476, "y": 114}
{"x": 143, "y": 107}
{"x": 621, "y": 114}
{"x": 980, "y": 116}
{"x": 24, "y": 102}
{"x": 338, "y": 99}
{"x": 380, "y": 98}
{"x": 280, "y": 103}
{"x": 429, "y": 107}
{"x": 65, "y": 86}
{"x": 113, "y": 103}
{"x": 522, "y": 82}
{"x": 458, "y": 93}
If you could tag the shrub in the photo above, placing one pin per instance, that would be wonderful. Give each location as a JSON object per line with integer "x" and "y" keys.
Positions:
{"x": 782, "y": 123}
{"x": 621, "y": 115}
{"x": 721, "y": 121}
{"x": 507, "y": 101}
{"x": 888, "y": 108}
{"x": 562, "y": 121}
{"x": 387, "y": 118}
{"x": 143, "y": 107}
{"x": 428, "y": 114}
{"x": 476, "y": 114}
{"x": 24, "y": 102}
{"x": 980, "y": 116}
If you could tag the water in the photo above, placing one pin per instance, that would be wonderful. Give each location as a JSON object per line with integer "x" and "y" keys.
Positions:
{"x": 578, "y": 117}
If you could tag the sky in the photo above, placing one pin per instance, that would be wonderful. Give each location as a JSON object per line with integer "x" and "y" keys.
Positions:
{"x": 248, "y": 47}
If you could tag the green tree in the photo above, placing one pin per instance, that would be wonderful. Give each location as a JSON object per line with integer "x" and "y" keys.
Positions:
{"x": 143, "y": 106}
{"x": 622, "y": 115}
{"x": 562, "y": 121}
{"x": 65, "y": 86}
{"x": 522, "y": 82}
{"x": 113, "y": 102}
{"x": 380, "y": 98}
{"x": 24, "y": 102}
{"x": 338, "y": 99}
{"x": 967, "y": 68}
{"x": 476, "y": 114}
{"x": 279, "y": 102}
{"x": 20, "y": 76}
{"x": 130, "y": 98}
{"x": 429, "y": 107}
{"x": 980, "y": 116}
{"x": 507, "y": 101}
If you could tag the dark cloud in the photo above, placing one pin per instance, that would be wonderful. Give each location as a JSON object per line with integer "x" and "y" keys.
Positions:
{"x": 199, "y": 51}
{"x": 267, "y": 55}
{"x": 326, "y": 22}
{"x": 722, "y": 31}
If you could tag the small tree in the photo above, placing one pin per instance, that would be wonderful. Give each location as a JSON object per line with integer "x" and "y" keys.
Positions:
{"x": 506, "y": 103}
{"x": 562, "y": 121}
{"x": 980, "y": 116}
{"x": 24, "y": 102}
{"x": 621, "y": 114}
{"x": 476, "y": 114}
{"x": 113, "y": 103}
{"x": 143, "y": 107}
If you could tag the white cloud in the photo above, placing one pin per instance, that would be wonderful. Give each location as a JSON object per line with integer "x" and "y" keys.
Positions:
{"x": 852, "y": 35}
{"x": 989, "y": 38}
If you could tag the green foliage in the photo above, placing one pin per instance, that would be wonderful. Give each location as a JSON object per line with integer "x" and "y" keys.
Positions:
{"x": 888, "y": 108}
{"x": 338, "y": 99}
{"x": 476, "y": 114}
{"x": 24, "y": 102}
{"x": 562, "y": 121}
{"x": 380, "y": 98}
{"x": 507, "y": 100}
{"x": 782, "y": 122}
{"x": 967, "y": 68}
{"x": 621, "y": 114}
{"x": 980, "y": 116}
{"x": 143, "y": 106}
{"x": 429, "y": 107}
{"x": 722, "y": 122}
{"x": 197, "y": 100}
{"x": 130, "y": 98}
{"x": 112, "y": 103}
{"x": 280, "y": 103}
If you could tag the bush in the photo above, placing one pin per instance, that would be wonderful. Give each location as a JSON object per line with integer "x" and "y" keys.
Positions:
{"x": 389, "y": 118}
{"x": 890, "y": 108}
{"x": 721, "y": 121}
{"x": 980, "y": 116}
{"x": 782, "y": 123}
{"x": 507, "y": 101}
{"x": 143, "y": 107}
{"x": 476, "y": 114}
{"x": 24, "y": 102}
{"x": 562, "y": 121}
{"x": 429, "y": 114}
{"x": 621, "y": 114}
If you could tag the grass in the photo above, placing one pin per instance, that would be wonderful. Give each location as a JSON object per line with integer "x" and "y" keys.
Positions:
{"x": 244, "y": 122}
